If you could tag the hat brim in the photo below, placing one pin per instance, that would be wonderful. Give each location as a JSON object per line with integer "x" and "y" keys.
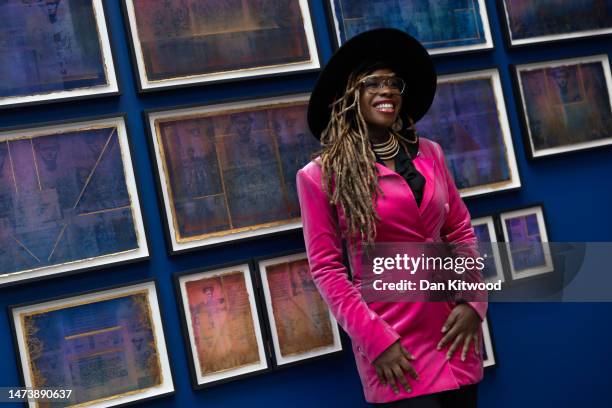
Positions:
{"x": 408, "y": 57}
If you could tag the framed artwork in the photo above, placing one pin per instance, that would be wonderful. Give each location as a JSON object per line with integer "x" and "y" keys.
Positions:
{"x": 488, "y": 350}
{"x": 468, "y": 119}
{"x": 566, "y": 105}
{"x": 106, "y": 346}
{"x": 181, "y": 43}
{"x": 442, "y": 26}
{"x": 54, "y": 50}
{"x": 228, "y": 171}
{"x": 484, "y": 228}
{"x": 301, "y": 325}
{"x": 539, "y": 21}
{"x": 222, "y": 324}
{"x": 527, "y": 242}
{"x": 68, "y": 199}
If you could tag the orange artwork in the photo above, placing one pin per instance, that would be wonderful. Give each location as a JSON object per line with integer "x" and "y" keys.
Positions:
{"x": 222, "y": 322}
{"x": 301, "y": 317}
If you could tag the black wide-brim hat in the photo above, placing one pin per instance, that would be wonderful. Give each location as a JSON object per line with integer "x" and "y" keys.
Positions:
{"x": 405, "y": 54}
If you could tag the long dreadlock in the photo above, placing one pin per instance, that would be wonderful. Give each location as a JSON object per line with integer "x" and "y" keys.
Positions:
{"x": 347, "y": 158}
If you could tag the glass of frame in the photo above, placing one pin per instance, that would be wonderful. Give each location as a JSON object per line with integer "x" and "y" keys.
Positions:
{"x": 54, "y": 50}
{"x": 107, "y": 346}
{"x": 468, "y": 119}
{"x": 68, "y": 199}
{"x": 526, "y": 239}
{"x": 488, "y": 351}
{"x": 442, "y": 26}
{"x": 484, "y": 228}
{"x": 566, "y": 105}
{"x": 201, "y": 41}
{"x": 538, "y": 21}
{"x": 228, "y": 171}
{"x": 301, "y": 325}
{"x": 222, "y": 324}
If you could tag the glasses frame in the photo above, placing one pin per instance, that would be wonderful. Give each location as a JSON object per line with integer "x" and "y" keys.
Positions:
{"x": 383, "y": 83}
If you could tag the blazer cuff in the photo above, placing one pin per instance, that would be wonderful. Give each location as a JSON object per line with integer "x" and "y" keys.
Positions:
{"x": 480, "y": 308}
{"x": 379, "y": 342}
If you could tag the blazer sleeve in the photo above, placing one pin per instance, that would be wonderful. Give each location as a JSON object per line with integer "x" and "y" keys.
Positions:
{"x": 368, "y": 331}
{"x": 457, "y": 229}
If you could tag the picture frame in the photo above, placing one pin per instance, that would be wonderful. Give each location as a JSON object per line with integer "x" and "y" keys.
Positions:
{"x": 484, "y": 228}
{"x": 468, "y": 23}
{"x": 300, "y": 325}
{"x": 202, "y": 301}
{"x": 480, "y": 154}
{"x": 283, "y": 37}
{"x": 213, "y": 165}
{"x": 528, "y": 22}
{"x": 489, "y": 359}
{"x": 564, "y": 105}
{"x": 122, "y": 323}
{"x": 525, "y": 233}
{"x": 70, "y": 199}
{"x": 78, "y": 64}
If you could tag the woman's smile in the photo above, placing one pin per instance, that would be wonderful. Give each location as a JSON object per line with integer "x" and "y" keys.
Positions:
{"x": 385, "y": 106}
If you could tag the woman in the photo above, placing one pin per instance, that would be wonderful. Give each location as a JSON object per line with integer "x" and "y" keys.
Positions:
{"x": 376, "y": 181}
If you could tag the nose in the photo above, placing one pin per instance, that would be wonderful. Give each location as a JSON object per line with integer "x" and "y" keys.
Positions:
{"x": 385, "y": 89}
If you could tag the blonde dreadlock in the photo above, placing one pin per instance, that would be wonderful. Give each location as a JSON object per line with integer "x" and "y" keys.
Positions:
{"x": 348, "y": 158}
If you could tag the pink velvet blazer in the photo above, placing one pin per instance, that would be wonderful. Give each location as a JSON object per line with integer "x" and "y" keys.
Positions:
{"x": 374, "y": 326}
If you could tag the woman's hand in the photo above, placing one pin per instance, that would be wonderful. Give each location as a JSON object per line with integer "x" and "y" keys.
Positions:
{"x": 392, "y": 363}
{"x": 461, "y": 325}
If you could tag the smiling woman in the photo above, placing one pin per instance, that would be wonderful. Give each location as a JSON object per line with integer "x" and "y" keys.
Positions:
{"x": 376, "y": 181}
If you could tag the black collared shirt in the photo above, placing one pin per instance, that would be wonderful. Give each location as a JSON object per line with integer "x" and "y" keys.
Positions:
{"x": 405, "y": 168}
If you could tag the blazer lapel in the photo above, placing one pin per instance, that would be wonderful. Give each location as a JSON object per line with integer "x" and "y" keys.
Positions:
{"x": 426, "y": 166}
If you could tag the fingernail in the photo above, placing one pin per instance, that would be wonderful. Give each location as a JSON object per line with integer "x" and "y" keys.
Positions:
{"x": 443, "y": 329}
{"x": 438, "y": 347}
{"x": 462, "y": 358}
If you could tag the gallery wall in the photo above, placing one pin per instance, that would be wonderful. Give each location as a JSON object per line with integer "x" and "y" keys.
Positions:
{"x": 548, "y": 354}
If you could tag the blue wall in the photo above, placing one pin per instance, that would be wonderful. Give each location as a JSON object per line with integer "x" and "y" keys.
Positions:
{"x": 550, "y": 355}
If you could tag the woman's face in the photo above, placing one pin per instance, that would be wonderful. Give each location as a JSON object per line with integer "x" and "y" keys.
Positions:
{"x": 380, "y": 109}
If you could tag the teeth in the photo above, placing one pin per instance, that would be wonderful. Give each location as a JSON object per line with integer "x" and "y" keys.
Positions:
{"x": 384, "y": 105}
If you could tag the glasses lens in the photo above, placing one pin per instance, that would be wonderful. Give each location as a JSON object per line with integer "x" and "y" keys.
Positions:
{"x": 397, "y": 84}
{"x": 372, "y": 84}
{"x": 376, "y": 84}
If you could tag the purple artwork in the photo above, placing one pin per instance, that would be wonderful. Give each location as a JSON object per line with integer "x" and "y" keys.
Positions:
{"x": 232, "y": 171}
{"x": 465, "y": 121}
{"x": 532, "y": 20}
{"x": 49, "y": 46}
{"x": 525, "y": 242}
{"x": 99, "y": 350}
{"x": 63, "y": 198}
{"x": 566, "y": 106}
{"x": 195, "y": 37}
{"x": 486, "y": 250}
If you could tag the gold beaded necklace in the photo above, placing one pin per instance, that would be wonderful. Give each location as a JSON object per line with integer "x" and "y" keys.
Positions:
{"x": 387, "y": 149}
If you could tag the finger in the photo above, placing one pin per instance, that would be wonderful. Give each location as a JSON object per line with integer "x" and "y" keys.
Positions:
{"x": 399, "y": 374}
{"x": 477, "y": 344}
{"x": 454, "y": 346}
{"x": 391, "y": 379}
{"x": 466, "y": 346}
{"x": 406, "y": 353}
{"x": 381, "y": 378}
{"x": 447, "y": 337}
{"x": 450, "y": 321}
{"x": 407, "y": 367}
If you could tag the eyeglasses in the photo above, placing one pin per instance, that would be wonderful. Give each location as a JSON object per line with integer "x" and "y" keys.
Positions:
{"x": 375, "y": 84}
